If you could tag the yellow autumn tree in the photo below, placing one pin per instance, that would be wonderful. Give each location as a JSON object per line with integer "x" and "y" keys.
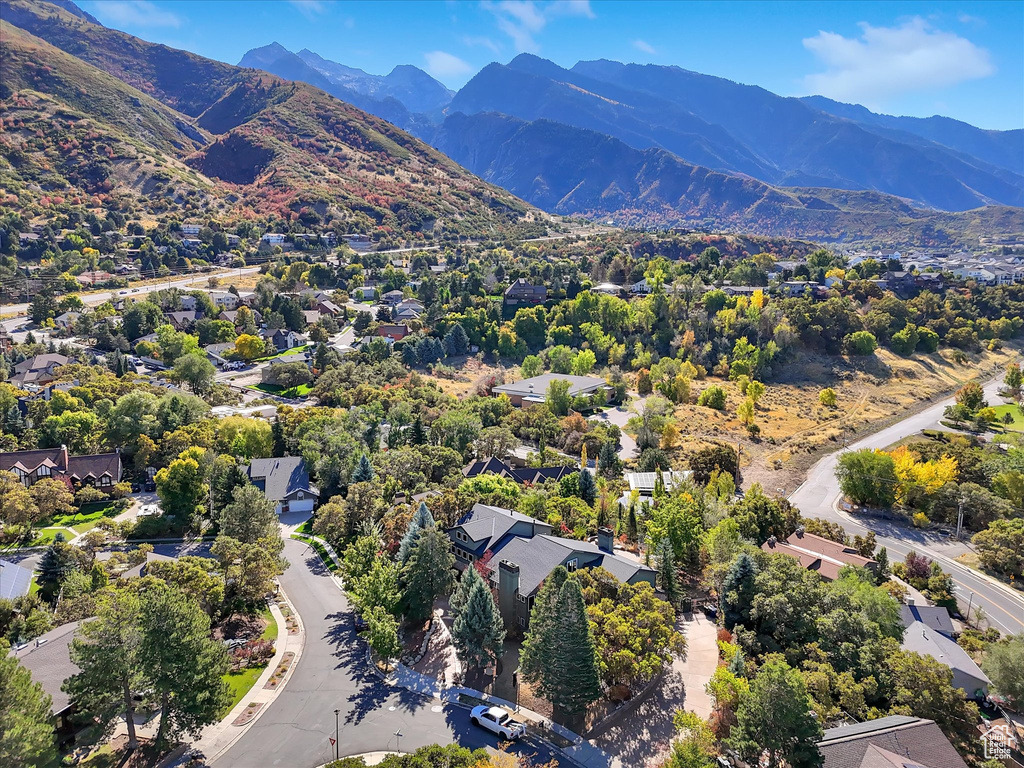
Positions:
{"x": 927, "y": 476}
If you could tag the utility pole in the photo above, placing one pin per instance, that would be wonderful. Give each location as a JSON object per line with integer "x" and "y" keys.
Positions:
{"x": 960, "y": 517}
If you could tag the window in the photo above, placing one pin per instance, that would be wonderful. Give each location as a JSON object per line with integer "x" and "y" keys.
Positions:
{"x": 521, "y": 598}
{"x": 105, "y": 480}
{"x": 43, "y": 471}
{"x": 572, "y": 565}
{"x": 522, "y": 622}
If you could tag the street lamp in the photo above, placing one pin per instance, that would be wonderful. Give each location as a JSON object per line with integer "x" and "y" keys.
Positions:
{"x": 337, "y": 744}
{"x": 398, "y": 741}
{"x": 515, "y": 684}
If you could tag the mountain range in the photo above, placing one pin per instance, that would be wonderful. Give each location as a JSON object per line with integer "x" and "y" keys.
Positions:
{"x": 99, "y": 116}
{"x": 704, "y": 122}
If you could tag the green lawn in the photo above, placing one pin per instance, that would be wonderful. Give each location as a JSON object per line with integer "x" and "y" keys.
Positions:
{"x": 88, "y": 515}
{"x": 293, "y": 351}
{"x": 300, "y": 391}
{"x": 240, "y": 683}
{"x": 306, "y": 528}
{"x": 270, "y": 633}
{"x": 1018, "y": 418}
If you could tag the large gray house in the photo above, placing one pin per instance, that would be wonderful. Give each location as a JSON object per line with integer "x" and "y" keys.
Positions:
{"x": 521, "y": 551}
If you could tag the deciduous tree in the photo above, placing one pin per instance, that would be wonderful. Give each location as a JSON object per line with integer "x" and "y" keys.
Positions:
{"x": 26, "y": 735}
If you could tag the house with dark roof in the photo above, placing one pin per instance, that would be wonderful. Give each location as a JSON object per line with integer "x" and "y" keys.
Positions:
{"x": 283, "y": 339}
{"x": 967, "y": 676}
{"x": 523, "y": 292}
{"x": 285, "y": 482}
{"x": 183, "y": 320}
{"x": 934, "y": 616}
{"x": 392, "y": 298}
{"x": 102, "y": 470}
{"x": 817, "y": 553}
{"x": 522, "y": 475}
{"x": 535, "y": 389}
{"x": 37, "y": 370}
{"x": 231, "y": 315}
{"x": 48, "y": 660}
{"x": 888, "y": 742}
{"x": 520, "y": 552}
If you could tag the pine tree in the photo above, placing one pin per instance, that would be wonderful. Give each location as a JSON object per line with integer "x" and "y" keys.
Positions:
{"x": 533, "y": 657}
{"x": 587, "y": 487}
{"x": 58, "y": 561}
{"x": 738, "y": 665}
{"x": 883, "y": 570}
{"x": 667, "y": 571}
{"x": 738, "y": 590}
{"x": 632, "y": 526}
{"x": 421, "y": 520}
{"x": 608, "y": 462}
{"x": 428, "y": 574}
{"x": 417, "y": 435}
{"x": 364, "y": 471}
{"x": 470, "y": 578}
{"x": 456, "y": 342}
{"x": 571, "y": 679}
{"x": 478, "y": 632}
{"x": 26, "y": 735}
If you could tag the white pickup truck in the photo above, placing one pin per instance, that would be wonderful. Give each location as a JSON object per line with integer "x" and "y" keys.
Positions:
{"x": 498, "y": 721}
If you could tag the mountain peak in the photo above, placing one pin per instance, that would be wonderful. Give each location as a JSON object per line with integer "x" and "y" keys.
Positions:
{"x": 264, "y": 55}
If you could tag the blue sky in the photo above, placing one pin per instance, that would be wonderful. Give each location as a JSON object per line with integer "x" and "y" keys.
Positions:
{"x": 961, "y": 59}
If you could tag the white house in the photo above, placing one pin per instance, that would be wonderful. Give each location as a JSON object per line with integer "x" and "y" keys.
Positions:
{"x": 190, "y": 229}
{"x": 273, "y": 238}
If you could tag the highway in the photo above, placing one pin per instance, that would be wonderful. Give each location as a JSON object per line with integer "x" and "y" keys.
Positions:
{"x": 820, "y": 493}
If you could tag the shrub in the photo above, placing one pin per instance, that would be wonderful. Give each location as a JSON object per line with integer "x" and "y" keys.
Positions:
{"x": 88, "y": 494}
{"x": 828, "y": 397}
{"x": 921, "y": 520}
{"x": 860, "y": 343}
{"x": 712, "y": 397}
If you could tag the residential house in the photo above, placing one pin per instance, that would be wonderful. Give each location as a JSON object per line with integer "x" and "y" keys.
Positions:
{"x": 190, "y": 228}
{"x": 231, "y": 315}
{"x": 934, "y": 616}
{"x": 795, "y": 288}
{"x": 522, "y": 475}
{"x": 283, "y": 339}
{"x": 897, "y": 741}
{"x": 311, "y": 316}
{"x": 218, "y": 353}
{"x": 37, "y": 370}
{"x": 364, "y": 293}
{"x": 24, "y": 238}
{"x": 66, "y": 320}
{"x": 523, "y": 292}
{"x": 94, "y": 277}
{"x": 357, "y": 242}
{"x": 519, "y": 552}
{"x": 921, "y": 638}
{"x": 192, "y": 243}
{"x": 48, "y": 660}
{"x": 817, "y": 553}
{"x": 392, "y": 298}
{"x": 189, "y": 302}
{"x": 6, "y": 341}
{"x": 641, "y": 287}
{"x": 181, "y": 321}
{"x": 272, "y": 238}
{"x": 644, "y": 483}
{"x": 102, "y": 470}
{"x": 15, "y": 581}
{"x": 329, "y": 239}
{"x": 413, "y": 304}
{"x": 224, "y": 299}
{"x": 741, "y": 290}
{"x": 328, "y": 307}
{"x": 609, "y": 289}
{"x": 405, "y": 315}
{"x": 233, "y": 240}
{"x": 393, "y": 331}
{"x": 535, "y": 389}
{"x": 285, "y": 482}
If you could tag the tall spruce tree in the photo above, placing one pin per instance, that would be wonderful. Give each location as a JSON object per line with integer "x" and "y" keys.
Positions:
{"x": 469, "y": 579}
{"x": 738, "y": 590}
{"x": 608, "y": 462}
{"x": 571, "y": 680}
{"x": 363, "y": 472}
{"x": 667, "y": 571}
{"x": 587, "y": 486}
{"x": 58, "y": 561}
{"x": 421, "y": 520}
{"x": 26, "y": 735}
{"x": 478, "y": 632}
{"x": 632, "y": 526}
{"x": 534, "y": 655}
{"x": 428, "y": 573}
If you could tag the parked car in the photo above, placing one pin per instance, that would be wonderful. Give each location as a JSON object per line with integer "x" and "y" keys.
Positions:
{"x": 150, "y": 486}
{"x": 710, "y": 610}
{"x": 497, "y": 721}
{"x": 149, "y": 510}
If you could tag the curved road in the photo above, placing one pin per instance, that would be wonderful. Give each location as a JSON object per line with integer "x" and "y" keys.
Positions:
{"x": 818, "y": 495}
{"x": 332, "y": 674}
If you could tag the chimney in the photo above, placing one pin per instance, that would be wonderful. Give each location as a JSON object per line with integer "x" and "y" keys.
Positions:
{"x": 65, "y": 460}
{"x": 605, "y": 540}
{"x": 772, "y": 541}
{"x": 508, "y": 586}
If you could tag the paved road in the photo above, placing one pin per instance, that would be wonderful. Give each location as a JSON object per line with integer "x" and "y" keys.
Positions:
{"x": 332, "y": 674}
{"x": 819, "y": 493}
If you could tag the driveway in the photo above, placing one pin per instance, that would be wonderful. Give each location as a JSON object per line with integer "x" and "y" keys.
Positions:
{"x": 620, "y": 416}
{"x": 818, "y": 495}
{"x": 332, "y": 674}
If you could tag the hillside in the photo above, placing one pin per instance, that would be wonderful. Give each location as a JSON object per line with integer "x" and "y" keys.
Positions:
{"x": 261, "y": 145}
{"x": 568, "y": 170}
{"x": 738, "y": 129}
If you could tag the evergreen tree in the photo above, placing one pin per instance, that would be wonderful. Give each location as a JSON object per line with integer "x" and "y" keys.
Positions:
{"x": 456, "y": 342}
{"x": 570, "y": 680}
{"x": 428, "y": 574}
{"x": 587, "y": 487}
{"x": 58, "y": 561}
{"x": 883, "y": 570}
{"x": 775, "y": 720}
{"x": 26, "y": 735}
{"x": 469, "y": 579}
{"x": 667, "y": 571}
{"x": 226, "y": 474}
{"x": 421, "y": 520}
{"x": 632, "y": 526}
{"x": 478, "y": 632}
{"x": 608, "y": 462}
{"x": 533, "y": 657}
{"x": 738, "y": 665}
{"x": 364, "y": 471}
{"x": 738, "y": 590}
{"x": 418, "y": 434}
{"x": 250, "y": 517}
{"x": 277, "y": 431}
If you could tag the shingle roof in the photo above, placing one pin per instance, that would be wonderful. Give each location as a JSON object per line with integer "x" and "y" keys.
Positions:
{"x": 922, "y": 639}
{"x": 280, "y": 477}
{"x": 873, "y": 744}
{"x": 48, "y": 659}
{"x": 523, "y": 475}
{"x": 538, "y": 385}
{"x": 934, "y": 616}
{"x": 490, "y": 524}
{"x": 15, "y": 581}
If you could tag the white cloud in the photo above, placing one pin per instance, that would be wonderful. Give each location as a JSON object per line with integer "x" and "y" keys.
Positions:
{"x": 309, "y": 8}
{"x": 523, "y": 20}
{"x": 645, "y": 47}
{"x": 888, "y": 61}
{"x": 482, "y": 42}
{"x": 442, "y": 64}
{"x": 134, "y": 13}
